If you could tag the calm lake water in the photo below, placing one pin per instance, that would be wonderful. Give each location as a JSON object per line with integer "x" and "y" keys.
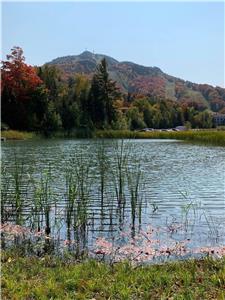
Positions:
{"x": 181, "y": 186}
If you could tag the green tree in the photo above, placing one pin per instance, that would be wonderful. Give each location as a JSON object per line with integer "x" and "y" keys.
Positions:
{"x": 146, "y": 109}
{"x": 203, "y": 120}
{"x": 103, "y": 94}
{"x": 157, "y": 117}
{"x": 70, "y": 116}
{"x": 121, "y": 122}
{"x": 51, "y": 77}
{"x": 51, "y": 121}
{"x": 37, "y": 108}
{"x": 80, "y": 95}
{"x": 135, "y": 119}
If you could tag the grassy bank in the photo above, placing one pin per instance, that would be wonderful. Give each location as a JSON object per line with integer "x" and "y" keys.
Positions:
{"x": 211, "y": 137}
{"x": 17, "y": 135}
{"x": 52, "y": 278}
{"x": 207, "y": 137}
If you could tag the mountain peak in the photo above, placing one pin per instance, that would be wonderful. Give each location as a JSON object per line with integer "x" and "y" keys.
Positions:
{"x": 138, "y": 79}
{"x": 86, "y": 54}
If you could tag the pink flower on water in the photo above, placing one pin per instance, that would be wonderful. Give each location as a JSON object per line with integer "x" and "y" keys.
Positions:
{"x": 103, "y": 247}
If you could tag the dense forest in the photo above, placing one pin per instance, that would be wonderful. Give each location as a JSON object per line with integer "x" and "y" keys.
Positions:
{"x": 39, "y": 99}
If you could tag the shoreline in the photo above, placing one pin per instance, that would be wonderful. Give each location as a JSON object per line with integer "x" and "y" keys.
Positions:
{"x": 205, "y": 137}
{"x": 57, "y": 278}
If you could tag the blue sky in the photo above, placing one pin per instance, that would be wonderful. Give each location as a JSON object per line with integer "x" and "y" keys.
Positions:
{"x": 183, "y": 39}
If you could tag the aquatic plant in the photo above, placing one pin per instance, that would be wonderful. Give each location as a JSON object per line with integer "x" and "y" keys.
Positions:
{"x": 146, "y": 247}
{"x": 103, "y": 166}
{"x": 44, "y": 198}
{"x": 70, "y": 198}
{"x": 113, "y": 172}
{"x": 81, "y": 165}
{"x": 19, "y": 181}
{"x": 121, "y": 151}
{"x": 134, "y": 178}
{"x": 6, "y": 210}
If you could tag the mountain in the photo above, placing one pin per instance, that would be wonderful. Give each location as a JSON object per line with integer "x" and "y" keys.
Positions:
{"x": 138, "y": 79}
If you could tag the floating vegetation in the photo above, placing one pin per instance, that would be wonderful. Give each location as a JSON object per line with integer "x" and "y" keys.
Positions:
{"x": 146, "y": 247}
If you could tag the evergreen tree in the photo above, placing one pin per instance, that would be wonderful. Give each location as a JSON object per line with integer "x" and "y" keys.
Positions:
{"x": 70, "y": 116}
{"x": 103, "y": 94}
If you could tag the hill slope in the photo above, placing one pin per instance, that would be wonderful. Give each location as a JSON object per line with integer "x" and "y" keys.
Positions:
{"x": 134, "y": 78}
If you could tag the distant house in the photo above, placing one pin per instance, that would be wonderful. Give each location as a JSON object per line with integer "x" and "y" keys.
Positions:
{"x": 218, "y": 119}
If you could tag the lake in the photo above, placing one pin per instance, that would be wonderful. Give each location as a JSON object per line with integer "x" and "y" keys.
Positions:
{"x": 105, "y": 188}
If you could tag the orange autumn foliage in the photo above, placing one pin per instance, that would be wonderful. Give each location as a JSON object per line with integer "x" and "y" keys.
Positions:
{"x": 18, "y": 78}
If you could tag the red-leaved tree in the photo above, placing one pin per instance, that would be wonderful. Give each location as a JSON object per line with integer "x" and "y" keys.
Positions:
{"x": 19, "y": 82}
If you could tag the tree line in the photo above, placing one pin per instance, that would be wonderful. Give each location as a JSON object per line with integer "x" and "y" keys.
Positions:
{"x": 38, "y": 99}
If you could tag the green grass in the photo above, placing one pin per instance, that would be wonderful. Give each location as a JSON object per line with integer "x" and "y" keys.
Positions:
{"x": 17, "y": 135}
{"x": 211, "y": 137}
{"x": 55, "y": 278}
{"x": 207, "y": 137}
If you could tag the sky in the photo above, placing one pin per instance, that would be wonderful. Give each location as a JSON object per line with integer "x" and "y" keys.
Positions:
{"x": 184, "y": 39}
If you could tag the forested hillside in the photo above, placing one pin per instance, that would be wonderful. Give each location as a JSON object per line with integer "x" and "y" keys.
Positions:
{"x": 150, "y": 81}
{"x": 89, "y": 92}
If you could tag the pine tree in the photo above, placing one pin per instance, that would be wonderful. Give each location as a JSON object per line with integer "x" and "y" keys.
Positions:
{"x": 103, "y": 95}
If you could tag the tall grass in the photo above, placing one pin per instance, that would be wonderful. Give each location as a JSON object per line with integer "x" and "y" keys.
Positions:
{"x": 36, "y": 212}
{"x": 15, "y": 190}
{"x": 207, "y": 137}
{"x": 70, "y": 198}
{"x": 113, "y": 171}
{"x": 103, "y": 169}
{"x": 134, "y": 178}
{"x": 127, "y": 179}
{"x": 81, "y": 167}
{"x": 44, "y": 198}
{"x": 16, "y": 135}
{"x": 5, "y": 190}
{"x": 19, "y": 186}
{"x": 121, "y": 150}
